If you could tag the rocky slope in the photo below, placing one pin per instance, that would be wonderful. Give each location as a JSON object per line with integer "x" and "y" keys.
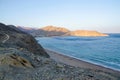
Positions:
{"x": 11, "y": 36}
{"x": 84, "y": 33}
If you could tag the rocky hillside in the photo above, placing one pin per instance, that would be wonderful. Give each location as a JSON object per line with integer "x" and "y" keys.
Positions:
{"x": 84, "y": 33}
{"x": 13, "y": 37}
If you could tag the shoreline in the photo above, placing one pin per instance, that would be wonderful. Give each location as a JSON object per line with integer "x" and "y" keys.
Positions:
{"x": 77, "y": 62}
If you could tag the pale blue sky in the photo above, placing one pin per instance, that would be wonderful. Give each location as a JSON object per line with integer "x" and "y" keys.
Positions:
{"x": 100, "y": 15}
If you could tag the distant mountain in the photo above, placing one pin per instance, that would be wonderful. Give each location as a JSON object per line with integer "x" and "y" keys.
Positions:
{"x": 54, "y": 28}
{"x": 26, "y": 29}
{"x": 84, "y": 33}
{"x": 50, "y": 31}
{"x": 59, "y": 31}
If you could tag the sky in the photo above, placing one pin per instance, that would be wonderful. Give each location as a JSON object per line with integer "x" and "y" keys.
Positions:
{"x": 100, "y": 15}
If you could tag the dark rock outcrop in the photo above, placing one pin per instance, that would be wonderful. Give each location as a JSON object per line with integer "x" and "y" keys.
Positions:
{"x": 12, "y": 36}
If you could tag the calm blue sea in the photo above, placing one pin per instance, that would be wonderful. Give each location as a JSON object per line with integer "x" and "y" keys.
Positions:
{"x": 104, "y": 51}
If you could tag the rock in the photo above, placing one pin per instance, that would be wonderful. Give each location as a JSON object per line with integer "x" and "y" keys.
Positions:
{"x": 59, "y": 66}
{"x": 14, "y": 60}
{"x": 46, "y": 62}
{"x": 91, "y": 76}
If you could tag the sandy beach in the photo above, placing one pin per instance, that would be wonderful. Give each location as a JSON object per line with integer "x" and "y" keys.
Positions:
{"x": 78, "y": 63}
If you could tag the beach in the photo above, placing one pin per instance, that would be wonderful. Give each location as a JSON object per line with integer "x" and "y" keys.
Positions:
{"x": 78, "y": 63}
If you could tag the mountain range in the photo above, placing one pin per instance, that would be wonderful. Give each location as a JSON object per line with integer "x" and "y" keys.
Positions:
{"x": 48, "y": 31}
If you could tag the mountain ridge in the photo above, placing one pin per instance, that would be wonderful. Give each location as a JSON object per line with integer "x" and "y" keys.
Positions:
{"x": 48, "y": 31}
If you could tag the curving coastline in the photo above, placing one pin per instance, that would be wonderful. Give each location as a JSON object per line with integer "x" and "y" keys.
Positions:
{"x": 78, "y": 63}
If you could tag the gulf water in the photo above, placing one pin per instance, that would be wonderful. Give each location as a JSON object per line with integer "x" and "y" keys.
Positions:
{"x": 104, "y": 51}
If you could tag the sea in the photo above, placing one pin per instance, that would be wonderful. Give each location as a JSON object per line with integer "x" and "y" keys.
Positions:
{"x": 103, "y": 51}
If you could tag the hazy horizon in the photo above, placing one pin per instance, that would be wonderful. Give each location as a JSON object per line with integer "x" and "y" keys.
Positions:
{"x": 99, "y": 15}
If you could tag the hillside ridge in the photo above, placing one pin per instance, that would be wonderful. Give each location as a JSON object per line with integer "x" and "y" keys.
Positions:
{"x": 61, "y": 31}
